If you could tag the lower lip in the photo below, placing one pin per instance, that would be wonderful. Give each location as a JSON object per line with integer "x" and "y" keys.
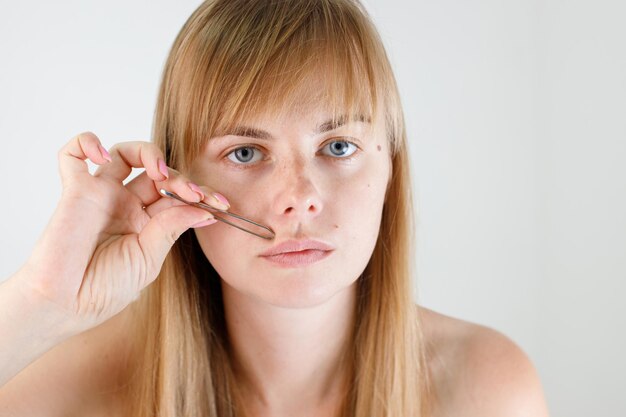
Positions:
{"x": 296, "y": 259}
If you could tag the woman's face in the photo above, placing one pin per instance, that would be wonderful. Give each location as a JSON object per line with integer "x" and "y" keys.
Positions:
{"x": 304, "y": 184}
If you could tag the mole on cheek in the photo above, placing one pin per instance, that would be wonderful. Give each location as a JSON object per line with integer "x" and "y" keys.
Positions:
{"x": 379, "y": 148}
{"x": 336, "y": 226}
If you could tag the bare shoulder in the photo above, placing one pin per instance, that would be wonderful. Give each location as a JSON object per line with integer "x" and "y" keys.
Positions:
{"x": 478, "y": 371}
{"x": 75, "y": 378}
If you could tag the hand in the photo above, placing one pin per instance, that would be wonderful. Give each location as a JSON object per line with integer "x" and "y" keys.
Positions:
{"x": 107, "y": 241}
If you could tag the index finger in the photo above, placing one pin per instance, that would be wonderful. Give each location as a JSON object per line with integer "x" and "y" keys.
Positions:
{"x": 73, "y": 155}
{"x": 137, "y": 154}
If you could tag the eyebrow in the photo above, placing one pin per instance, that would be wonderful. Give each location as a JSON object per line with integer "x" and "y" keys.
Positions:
{"x": 327, "y": 126}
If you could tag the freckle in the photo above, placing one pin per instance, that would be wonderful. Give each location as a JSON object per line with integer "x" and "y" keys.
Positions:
{"x": 378, "y": 147}
{"x": 336, "y": 226}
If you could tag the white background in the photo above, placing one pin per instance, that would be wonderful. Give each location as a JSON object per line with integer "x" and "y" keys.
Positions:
{"x": 516, "y": 113}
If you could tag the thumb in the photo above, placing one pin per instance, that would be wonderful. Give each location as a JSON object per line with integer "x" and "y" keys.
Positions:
{"x": 160, "y": 233}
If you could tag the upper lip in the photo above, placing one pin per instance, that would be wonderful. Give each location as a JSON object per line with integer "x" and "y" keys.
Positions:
{"x": 297, "y": 246}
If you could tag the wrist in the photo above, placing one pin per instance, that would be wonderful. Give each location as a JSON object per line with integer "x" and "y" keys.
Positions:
{"x": 50, "y": 325}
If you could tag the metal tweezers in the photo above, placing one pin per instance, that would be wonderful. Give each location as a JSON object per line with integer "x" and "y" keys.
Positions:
{"x": 267, "y": 234}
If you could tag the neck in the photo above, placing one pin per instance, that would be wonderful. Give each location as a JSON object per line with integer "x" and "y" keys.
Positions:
{"x": 290, "y": 361}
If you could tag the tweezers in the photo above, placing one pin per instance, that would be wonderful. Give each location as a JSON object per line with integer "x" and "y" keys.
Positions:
{"x": 267, "y": 234}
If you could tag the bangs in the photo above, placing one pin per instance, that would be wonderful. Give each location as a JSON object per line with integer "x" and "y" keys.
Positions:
{"x": 297, "y": 85}
{"x": 247, "y": 59}
{"x": 317, "y": 64}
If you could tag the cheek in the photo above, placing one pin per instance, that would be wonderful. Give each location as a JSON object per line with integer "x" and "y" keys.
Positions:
{"x": 359, "y": 207}
{"x": 246, "y": 191}
{"x": 230, "y": 251}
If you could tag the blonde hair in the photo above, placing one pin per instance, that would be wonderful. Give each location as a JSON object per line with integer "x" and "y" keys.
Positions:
{"x": 238, "y": 58}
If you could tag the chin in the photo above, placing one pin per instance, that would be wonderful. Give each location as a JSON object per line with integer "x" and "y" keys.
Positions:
{"x": 305, "y": 297}
{"x": 307, "y": 290}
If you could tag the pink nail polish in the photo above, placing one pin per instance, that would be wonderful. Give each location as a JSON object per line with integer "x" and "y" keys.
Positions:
{"x": 196, "y": 189}
{"x": 105, "y": 154}
{"x": 221, "y": 199}
{"x": 204, "y": 223}
{"x": 163, "y": 168}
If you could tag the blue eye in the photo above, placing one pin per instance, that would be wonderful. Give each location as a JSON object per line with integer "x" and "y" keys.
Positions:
{"x": 243, "y": 155}
{"x": 340, "y": 147}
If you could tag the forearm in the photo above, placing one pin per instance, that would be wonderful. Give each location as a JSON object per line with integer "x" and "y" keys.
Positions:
{"x": 28, "y": 329}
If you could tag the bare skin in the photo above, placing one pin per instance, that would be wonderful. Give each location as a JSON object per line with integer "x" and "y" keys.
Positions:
{"x": 476, "y": 372}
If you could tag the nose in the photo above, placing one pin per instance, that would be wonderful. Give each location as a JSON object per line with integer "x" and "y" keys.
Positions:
{"x": 296, "y": 198}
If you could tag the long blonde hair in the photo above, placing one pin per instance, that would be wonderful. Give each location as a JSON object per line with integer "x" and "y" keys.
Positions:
{"x": 237, "y": 58}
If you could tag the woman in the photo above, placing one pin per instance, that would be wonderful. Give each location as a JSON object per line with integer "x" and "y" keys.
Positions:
{"x": 149, "y": 307}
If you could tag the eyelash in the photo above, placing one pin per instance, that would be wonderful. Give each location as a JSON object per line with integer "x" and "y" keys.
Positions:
{"x": 244, "y": 165}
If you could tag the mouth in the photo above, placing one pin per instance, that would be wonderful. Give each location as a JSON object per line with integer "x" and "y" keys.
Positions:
{"x": 297, "y": 258}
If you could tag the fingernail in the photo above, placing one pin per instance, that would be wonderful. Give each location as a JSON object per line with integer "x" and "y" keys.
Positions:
{"x": 105, "y": 154}
{"x": 204, "y": 223}
{"x": 220, "y": 199}
{"x": 196, "y": 189}
{"x": 163, "y": 168}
